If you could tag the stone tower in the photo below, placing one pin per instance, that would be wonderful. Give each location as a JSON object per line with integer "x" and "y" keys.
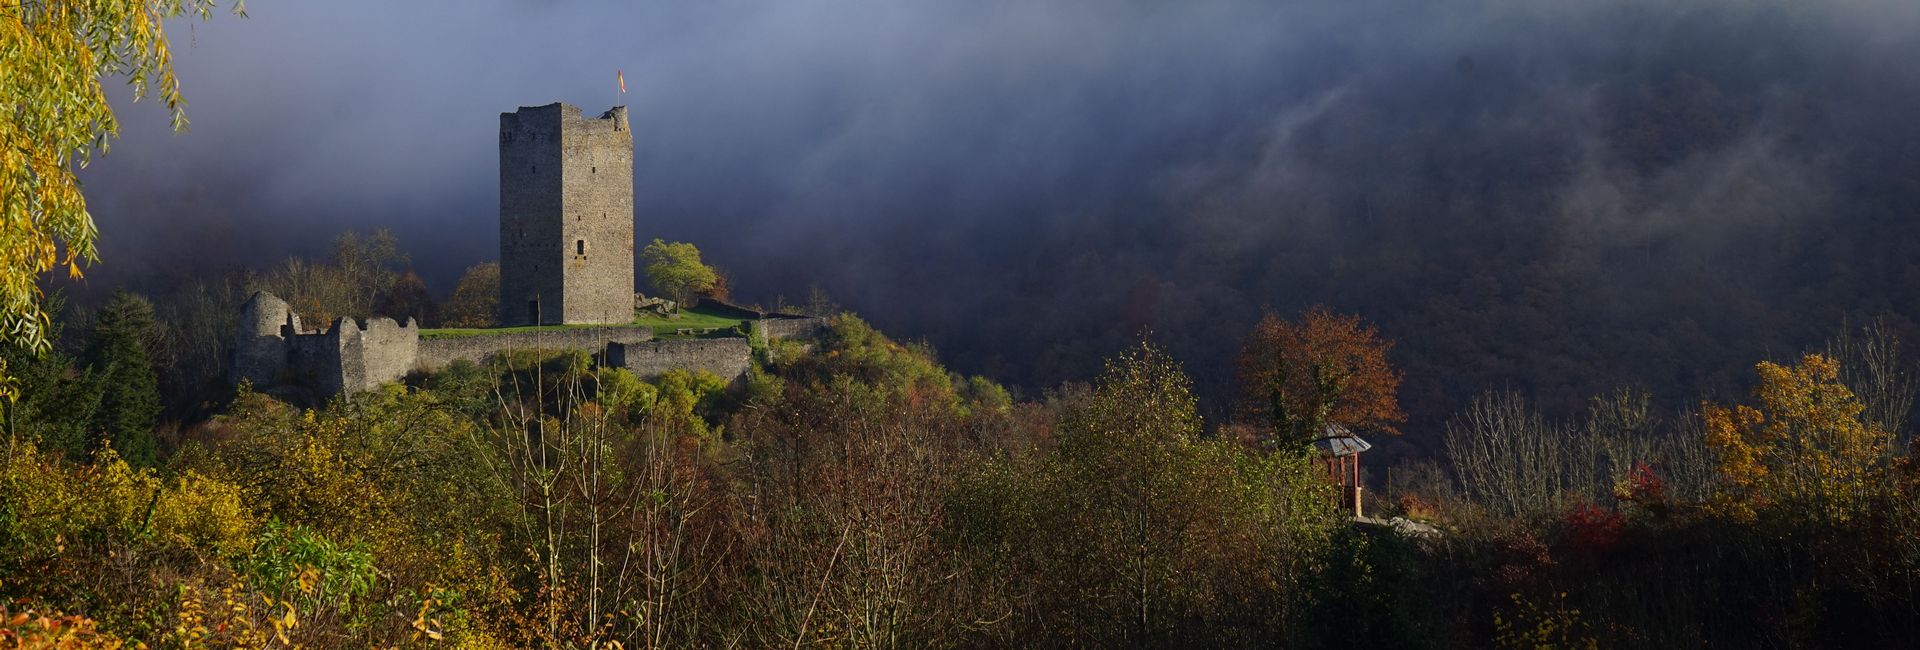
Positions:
{"x": 566, "y": 217}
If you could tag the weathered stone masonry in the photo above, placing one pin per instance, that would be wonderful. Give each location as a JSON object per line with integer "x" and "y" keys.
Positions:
{"x": 785, "y": 326}
{"x": 728, "y": 358}
{"x": 566, "y": 217}
{"x": 437, "y": 353}
{"x": 274, "y": 351}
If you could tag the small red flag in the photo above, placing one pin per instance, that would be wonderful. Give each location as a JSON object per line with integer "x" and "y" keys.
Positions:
{"x": 622, "y": 78}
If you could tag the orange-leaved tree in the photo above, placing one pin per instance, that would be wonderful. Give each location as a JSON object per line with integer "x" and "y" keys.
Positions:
{"x": 1801, "y": 451}
{"x": 1326, "y": 369}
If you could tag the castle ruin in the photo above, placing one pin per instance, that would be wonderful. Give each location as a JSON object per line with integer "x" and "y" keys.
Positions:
{"x": 566, "y": 258}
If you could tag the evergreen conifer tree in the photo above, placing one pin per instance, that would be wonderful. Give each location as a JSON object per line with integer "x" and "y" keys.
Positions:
{"x": 118, "y": 360}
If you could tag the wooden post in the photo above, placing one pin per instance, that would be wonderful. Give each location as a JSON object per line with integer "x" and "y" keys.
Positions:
{"x": 1355, "y": 491}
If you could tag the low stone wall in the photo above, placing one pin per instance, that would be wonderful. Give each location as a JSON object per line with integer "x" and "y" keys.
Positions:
{"x": 790, "y": 328}
{"x": 273, "y": 350}
{"x": 438, "y": 353}
{"x": 727, "y": 357}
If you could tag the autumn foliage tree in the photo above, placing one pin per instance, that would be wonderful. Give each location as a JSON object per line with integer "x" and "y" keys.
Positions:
{"x": 407, "y": 298}
{"x": 54, "y": 57}
{"x": 1802, "y": 450}
{"x": 1299, "y": 377}
{"x": 1136, "y": 530}
{"x": 361, "y": 270}
{"x": 675, "y": 269}
{"x": 476, "y": 298}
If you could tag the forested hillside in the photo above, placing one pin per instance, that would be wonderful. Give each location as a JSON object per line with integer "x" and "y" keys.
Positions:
{"x": 851, "y": 492}
{"x": 1559, "y": 200}
{"x": 1218, "y": 324}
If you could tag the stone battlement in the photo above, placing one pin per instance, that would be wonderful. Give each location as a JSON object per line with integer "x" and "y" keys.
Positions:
{"x": 437, "y": 352}
{"x": 566, "y": 116}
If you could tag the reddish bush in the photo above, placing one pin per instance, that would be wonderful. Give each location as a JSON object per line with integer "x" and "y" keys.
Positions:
{"x": 1644, "y": 488}
{"x": 1593, "y": 530}
{"x": 1414, "y": 507}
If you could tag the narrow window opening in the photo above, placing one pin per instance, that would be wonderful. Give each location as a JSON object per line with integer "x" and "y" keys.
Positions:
{"x": 580, "y": 247}
{"x": 535, "y": 168}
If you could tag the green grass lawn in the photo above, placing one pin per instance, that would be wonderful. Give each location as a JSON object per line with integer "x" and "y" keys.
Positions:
{"x": 695, "y": 319}
{"x": 692, "y": 319}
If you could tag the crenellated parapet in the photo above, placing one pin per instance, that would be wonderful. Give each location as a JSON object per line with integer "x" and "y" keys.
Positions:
{"x": 374, "y": 351}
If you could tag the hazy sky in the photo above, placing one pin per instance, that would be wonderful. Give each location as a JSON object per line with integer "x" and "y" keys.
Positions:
{"x": 313, "y": 116}
{"x": 774, "y": 120}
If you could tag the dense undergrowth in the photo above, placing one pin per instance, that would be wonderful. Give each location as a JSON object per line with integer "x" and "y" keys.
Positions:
{"x": 854, "y": 493}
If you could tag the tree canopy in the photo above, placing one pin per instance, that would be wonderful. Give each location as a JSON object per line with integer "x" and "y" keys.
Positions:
{"x": 675, "y": 269}
{"x": 476, "y": 298}
{"x": 361, "y": 272}
{"x": 128, "y": 388}
{"x": 1326, "y": 369}
{"x": 53, "y": 59}
{"x": 1802, "y": 450}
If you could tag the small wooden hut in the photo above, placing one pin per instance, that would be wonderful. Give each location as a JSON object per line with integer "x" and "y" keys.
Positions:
{"x": 1340, "y": 451}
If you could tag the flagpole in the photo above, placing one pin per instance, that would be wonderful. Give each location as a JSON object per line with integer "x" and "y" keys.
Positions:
{"x": 620, "y": 89}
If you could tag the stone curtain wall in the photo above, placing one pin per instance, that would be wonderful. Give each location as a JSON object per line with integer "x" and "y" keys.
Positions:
{"x": 375, "y": 351}
{"x": 727, "y": 357}
{"x": 790, "y": 328}
{"x": 313, "y": 362}
{"x": 437, "y": 353}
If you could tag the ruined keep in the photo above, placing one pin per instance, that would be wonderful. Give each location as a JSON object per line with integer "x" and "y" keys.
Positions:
{"x": 566, "y": 217}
